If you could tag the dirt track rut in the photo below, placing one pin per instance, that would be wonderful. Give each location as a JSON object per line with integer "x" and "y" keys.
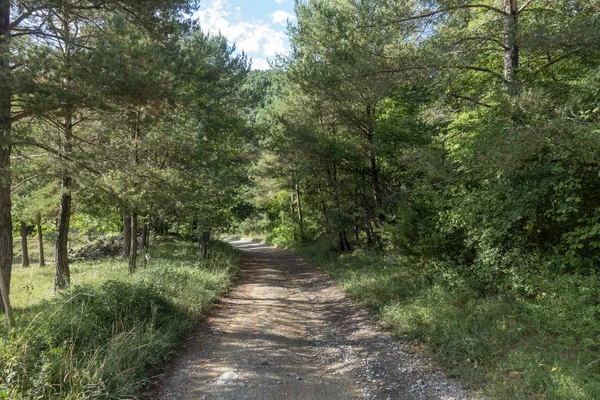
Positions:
{"x": 286, "y": 332}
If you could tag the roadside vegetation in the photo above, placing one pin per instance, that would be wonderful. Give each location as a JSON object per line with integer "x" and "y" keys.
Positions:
{"x": 101, "y": 337}
{"x": 538, "y": 340}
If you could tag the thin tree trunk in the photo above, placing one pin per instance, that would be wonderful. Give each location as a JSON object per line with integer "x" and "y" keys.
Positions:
{"x": 144, "y": 233}
{"x": 341, "y": 242}
{"x": 40, "y": 241}
{"x": 346, "y": 242}
{"x": 134, "y": 243}
{"x": 373, "y": 169}
{"x": 205, "y": 243}
{"x": 126, "y": 236}
{"x": 369, "y": 233}
{"x": 148, "y": 234}
{"x": 6, "y": 240}
{"x": 323, "y": 207}
{"x": 324, "y": 212}
{"x": 144, "y": 241}
{"x": 375, "y": 184}
{"x": 357, "y": 217}
{"x": 62, "y": 277}
{"x": 292, "y": 208}
{"x": 24, "y": 249}
{"x": 300, "y": 215}
{"x": 134, "y": 217}
{"x": 293, "y": 215}
{"x": 511, "y": 47}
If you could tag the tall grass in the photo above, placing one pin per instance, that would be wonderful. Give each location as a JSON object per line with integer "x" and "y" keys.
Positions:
{"x": 99, "y": 339}
{"x": 541, "y": 341}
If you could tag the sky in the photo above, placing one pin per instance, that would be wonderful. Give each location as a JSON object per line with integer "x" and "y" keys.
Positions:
{"x": 257, "y": 28}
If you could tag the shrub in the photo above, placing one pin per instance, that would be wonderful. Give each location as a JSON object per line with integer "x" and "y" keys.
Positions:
{"x": 99, "y": 342}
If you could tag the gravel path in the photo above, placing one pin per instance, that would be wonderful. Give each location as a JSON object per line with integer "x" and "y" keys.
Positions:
{"x": 286, "y": 332}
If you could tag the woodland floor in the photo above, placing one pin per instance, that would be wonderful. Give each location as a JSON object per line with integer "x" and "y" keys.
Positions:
{"x": 287, "y": 332}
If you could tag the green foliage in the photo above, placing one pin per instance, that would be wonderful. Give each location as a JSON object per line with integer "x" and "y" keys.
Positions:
{"x": 100, "y": 341}
{"x": 536, "y": 339}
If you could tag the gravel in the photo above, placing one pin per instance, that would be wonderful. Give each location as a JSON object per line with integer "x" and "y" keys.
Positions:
{"x": 287, "y": 332}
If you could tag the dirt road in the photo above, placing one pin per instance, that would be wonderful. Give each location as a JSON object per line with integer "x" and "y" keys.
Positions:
{"x": 286, "y": 332}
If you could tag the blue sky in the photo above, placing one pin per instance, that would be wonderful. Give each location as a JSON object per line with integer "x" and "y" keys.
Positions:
{"x": 256, "y": 27}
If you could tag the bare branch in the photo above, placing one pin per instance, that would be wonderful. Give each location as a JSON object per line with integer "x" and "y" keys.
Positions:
{"x": 480, "y": 69}
{"x": 564, "y": 56}
{"x": 528, "y": 2}
{"x": 484, "y": 38}
{"x": 472, "y": 100}
{"x": 445, "y": 10}
{"x": 23, "y": 182}
{"x": 21, "y": 18}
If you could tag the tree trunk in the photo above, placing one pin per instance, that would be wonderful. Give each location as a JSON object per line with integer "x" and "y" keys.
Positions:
{"x": 293, "y": 215}
{"x": 126, "y": 236}
{"x": 324, "y": 212}
{"x": 144, "y": 233}
{"x": 368, "y": 231}
{"x": 205, "y": 243}
{"x": 511, "y": 48}
{"x": 148, "y": 230}
{"x": 373, "y": 169}
{"x": 323, "y": 207}
{"x": 345, "y": 239}
{"x": 144, "y": 241}
{"x": 62, "y": 278}
{"x": 341, "y": 242}
{"x": 6, "y": 302}
{"x": 300, "y": 215}
{"x": 134, "y": 243}
{"x": 357, "y": 216}
{"x": 24, "y": 249}
{"x": 6, "y": 240}
{"x": 41, "y": 242}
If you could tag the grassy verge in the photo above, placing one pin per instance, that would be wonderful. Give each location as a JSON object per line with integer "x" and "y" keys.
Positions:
{"x": 99, "y": 338}
{"x": 545, "y": 345}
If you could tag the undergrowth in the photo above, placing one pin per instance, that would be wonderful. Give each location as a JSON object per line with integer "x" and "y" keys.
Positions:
{"x": 538, "y": 341}
{"x": 98, "y": 341}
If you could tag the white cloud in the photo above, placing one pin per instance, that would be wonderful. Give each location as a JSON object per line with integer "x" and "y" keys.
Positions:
{"x": 249, "y": 36}
{"x": 260, "y": 63}
{"x": 281, "y": 17}
{"x": 279, "y": 1}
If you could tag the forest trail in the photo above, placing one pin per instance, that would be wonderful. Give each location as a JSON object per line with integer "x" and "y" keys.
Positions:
{"x": 286, "y": 332}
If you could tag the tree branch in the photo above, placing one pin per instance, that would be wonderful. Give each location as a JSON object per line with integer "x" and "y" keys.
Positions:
{"x": 528, "y": 2}
{"x": 445, "y": 10}
{"x": 472, "y": 100}
{"x": 480, "y": 69}
{"x": 556, "y": 60}
{"x": 23, "y": 182}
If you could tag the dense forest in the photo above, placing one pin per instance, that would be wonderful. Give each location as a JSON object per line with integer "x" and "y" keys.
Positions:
{"x": 461, "y": 135}
{"x": 457, "y": 129}
{"x": 446, "y": 153}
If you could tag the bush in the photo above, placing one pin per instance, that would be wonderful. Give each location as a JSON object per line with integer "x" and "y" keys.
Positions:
{"x": 536, "y": 336}
{"x": 99, "y": 342}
